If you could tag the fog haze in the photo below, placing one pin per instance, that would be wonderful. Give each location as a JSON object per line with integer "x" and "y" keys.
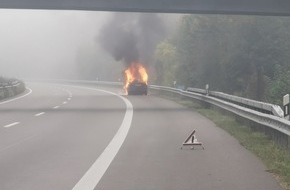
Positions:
{"x": 55, "y": 44}
{"x": 44, "y": 43}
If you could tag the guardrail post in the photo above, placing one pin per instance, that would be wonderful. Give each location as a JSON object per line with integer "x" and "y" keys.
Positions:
{"x": 286, "y": 106}
{"x": 207, "y": 89}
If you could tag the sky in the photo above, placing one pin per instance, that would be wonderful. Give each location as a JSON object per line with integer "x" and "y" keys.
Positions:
{"x": 47, "y": 43}
{"x": 38, "y": 43}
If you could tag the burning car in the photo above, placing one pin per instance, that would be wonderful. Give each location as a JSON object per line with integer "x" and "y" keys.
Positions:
{"x": 137, "y": 88}
{"x": 136, "y": 79}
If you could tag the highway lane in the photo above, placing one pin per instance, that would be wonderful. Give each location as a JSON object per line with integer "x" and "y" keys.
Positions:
{"x": 56, "y": 149}
{"x": 151, "y": 157}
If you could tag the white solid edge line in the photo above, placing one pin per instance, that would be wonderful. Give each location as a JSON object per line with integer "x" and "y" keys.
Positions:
{"x": 39, "y": 114}
{"x": 17, "y": 97}
{"x": 12, "y": 124}
{"x": 92, "y": 177}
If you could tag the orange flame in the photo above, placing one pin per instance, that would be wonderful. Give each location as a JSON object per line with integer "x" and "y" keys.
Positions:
{"x": 136, "y": 71}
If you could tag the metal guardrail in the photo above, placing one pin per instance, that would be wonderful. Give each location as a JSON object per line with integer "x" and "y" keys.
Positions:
{"x": 276, "y": 123}
{"x": 252, "y": 104}
{"x": 245, "y": 102}
{"x": 77, "y": 81}
{"x": 9, "y": 89}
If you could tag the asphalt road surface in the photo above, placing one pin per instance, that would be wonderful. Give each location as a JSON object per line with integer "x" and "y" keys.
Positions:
{"x": 58, "y": 137}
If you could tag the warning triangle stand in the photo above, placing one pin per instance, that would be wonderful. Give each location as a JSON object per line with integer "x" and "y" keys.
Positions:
{"x": 192, "y": 141}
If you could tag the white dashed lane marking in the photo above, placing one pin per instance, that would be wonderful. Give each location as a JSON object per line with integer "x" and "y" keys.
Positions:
{"x": 39, "y": 114}
{"x": 12, "y": 124}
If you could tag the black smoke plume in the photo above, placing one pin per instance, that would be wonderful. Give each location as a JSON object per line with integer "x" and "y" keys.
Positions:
{"x": 132, "y": 37}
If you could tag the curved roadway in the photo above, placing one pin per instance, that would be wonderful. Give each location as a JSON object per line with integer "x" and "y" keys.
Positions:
{"x": 63, "y": 137}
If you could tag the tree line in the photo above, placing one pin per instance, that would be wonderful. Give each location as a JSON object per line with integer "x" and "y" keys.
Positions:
{"x": 247, "y": 56}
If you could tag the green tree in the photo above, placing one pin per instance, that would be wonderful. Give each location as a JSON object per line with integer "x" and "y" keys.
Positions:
{"x": 165, "y": 57}
{"x": 280, "y": 85}
{"x": 234, "y": 54}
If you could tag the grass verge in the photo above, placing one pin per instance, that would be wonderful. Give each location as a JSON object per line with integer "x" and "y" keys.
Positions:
{"x": 276, "y": 159}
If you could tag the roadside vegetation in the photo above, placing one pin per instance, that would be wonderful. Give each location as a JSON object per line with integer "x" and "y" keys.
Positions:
{"x": 241, "y": 55}
{"x": 275, "y": 158}
{"x": 10, "y": 87}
